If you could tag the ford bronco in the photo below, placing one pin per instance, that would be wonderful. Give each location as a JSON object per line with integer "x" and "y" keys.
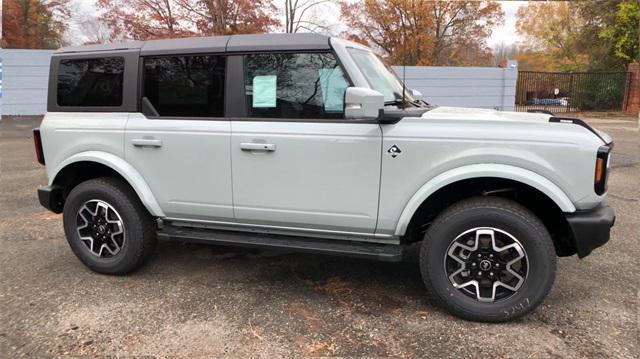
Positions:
{"x": 312, "y": 144}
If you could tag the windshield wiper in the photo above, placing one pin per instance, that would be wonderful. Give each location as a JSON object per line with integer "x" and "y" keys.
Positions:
{"x": 396, "y": 102}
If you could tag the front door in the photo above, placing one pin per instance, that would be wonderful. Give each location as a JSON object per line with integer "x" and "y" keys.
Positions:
{"x": 296, "y": 162}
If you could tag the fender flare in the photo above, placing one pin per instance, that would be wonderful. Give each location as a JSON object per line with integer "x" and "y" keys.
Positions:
{"x": 130, "y": 174}
{"x": 522, "y": 175}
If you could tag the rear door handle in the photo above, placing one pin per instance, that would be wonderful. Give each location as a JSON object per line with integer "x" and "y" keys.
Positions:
{"x": 146, "y": 142}
{"x": 254, "y": 146}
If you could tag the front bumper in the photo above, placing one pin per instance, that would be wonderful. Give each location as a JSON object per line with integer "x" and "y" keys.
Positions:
{"x": 591, "y": 228}
{"x": 50, "y": 197}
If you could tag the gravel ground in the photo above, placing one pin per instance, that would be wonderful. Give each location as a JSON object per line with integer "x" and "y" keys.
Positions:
{"x": 204, "y": 301}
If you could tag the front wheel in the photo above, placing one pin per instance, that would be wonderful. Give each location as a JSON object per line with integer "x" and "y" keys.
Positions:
{"x": 488, "y": 259}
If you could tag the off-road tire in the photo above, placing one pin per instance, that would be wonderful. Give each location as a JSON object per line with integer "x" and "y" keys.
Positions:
{"x": 139, "y": 226}
{"x": 498, "y": 213}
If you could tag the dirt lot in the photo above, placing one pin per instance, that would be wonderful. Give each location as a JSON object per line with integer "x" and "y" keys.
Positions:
{"x": 202, "y": 301}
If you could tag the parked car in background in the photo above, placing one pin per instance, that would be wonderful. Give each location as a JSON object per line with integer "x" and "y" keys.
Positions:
{"x": 311, "y": 143}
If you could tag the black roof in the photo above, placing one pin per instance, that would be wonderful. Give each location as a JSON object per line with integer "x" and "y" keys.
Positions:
{"x": 233, "y": 43}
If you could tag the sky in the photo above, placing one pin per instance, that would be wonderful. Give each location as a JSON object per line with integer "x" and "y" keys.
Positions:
{"x": 505, "y": 33}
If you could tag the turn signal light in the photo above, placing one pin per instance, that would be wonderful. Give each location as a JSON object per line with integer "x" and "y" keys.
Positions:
{"x": 599, "y": 169}
{"x": 602, "y": 166}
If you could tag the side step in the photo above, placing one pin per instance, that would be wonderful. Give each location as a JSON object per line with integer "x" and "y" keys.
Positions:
{"x": 382, "y": 252}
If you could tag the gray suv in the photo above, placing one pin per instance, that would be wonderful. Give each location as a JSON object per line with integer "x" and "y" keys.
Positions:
{"x": 311, "y": 143}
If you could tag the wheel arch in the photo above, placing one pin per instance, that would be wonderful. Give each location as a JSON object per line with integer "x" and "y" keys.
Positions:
{"x": 92, "y": 164}
{"x": 538, "y": 194}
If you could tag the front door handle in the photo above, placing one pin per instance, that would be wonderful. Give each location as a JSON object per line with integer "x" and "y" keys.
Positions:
{"x": 146, "y": 142}
{"x": 254, "y": 146}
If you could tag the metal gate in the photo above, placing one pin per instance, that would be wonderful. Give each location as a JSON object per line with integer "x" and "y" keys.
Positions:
{"x": 572, "y": 92}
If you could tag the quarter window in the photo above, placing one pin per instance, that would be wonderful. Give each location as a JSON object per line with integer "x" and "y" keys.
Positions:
{"x": 302, "y": 85}
{"x": 185, "y": 86}
{"x": 90, "y": 82}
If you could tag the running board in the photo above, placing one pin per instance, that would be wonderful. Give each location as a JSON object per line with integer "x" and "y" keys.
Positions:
{"x": 382, "y": 252}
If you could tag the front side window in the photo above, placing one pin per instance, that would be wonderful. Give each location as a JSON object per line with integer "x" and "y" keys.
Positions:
{"x": 185, "y": 86}
{"x": 294, "y": 85}
{"x": 90, "y": 82}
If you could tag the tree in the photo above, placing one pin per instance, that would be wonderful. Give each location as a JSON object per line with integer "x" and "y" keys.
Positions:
{"x": 623, "y": 35}
{"x": 142, "y": 19}
{"x": 223, "y": 17}
{"x": 297, "y": 16}
{"x": 553, "y": 28}
{"x": 591, "y": 35}
{"x": 420, "y": 32}
{"x": 34, "y": 24}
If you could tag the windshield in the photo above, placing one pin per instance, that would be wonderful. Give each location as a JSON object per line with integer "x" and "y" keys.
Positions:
{"x": 380, "y": 77}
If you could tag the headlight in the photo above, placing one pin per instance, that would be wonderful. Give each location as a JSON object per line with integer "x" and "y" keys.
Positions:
{"x": 603, "y": 162}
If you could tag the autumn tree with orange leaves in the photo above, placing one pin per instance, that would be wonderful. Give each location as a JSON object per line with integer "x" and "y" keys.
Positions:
{"x": 225, "y": 17}
{"x": 34, "y": 24}
{"x": 142, "y": 19}
{"x": 157, "y": 19}
{"x": 420, "y": 32}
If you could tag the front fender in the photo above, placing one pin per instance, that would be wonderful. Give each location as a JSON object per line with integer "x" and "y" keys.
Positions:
{"x": 483, "y": 170}
{"x": 123, "y": 168}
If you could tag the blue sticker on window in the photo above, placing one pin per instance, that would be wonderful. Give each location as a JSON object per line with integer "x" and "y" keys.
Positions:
{"x": 333, "y": 86}
{"x": 264, "y": 91}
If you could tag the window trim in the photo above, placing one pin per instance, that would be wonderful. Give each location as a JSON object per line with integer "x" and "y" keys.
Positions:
{"x": 235, "y": 103}
{"x": 129, "y": 83}
{"x": 141, "y": 81}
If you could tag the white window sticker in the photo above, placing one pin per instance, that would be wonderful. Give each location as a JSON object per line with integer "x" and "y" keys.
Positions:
{"x": 264, "y": 91}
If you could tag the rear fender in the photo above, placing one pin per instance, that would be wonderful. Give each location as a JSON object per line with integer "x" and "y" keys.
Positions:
{"x": 119, "y": 165}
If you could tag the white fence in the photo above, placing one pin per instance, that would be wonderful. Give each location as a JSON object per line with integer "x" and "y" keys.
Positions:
{"x": 483, "y": 87}
{"x": 24, "y": 87}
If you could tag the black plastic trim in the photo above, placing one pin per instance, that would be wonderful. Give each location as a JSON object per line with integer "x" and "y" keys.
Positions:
{"x": 391, "y": 116}
{"x": 579, "y": 122}
{"x": 37, "y": 141}
{"x": 50, "y": 197}
{"x": 547, "y": 112}
{"x": 234, "y": 90}
{"x": 382, "y": 252}
{"x": 591, "y": 228}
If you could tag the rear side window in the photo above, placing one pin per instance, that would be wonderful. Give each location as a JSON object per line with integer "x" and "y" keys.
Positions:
{"x": 295, "y": 85}
{"x": 90, "y": 82}
{"x": 185, "y": 86}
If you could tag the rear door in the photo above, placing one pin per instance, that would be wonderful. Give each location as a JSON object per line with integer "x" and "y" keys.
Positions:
{"x": 181, "y": 145}
{"x": 296, "y": 162}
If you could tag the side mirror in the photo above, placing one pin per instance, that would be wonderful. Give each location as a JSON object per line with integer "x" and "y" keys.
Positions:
{"x": 363, "y": 103}
{"x": 415, "y": 93}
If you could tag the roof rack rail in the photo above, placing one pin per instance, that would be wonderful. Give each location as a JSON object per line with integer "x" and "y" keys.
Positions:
{"x": 533, "y": 110}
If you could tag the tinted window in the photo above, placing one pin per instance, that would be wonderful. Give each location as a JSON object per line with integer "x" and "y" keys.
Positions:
{"x": 90, "y": 82}
{"x": 294, "y": 86}
{"x": 186, "y": 86}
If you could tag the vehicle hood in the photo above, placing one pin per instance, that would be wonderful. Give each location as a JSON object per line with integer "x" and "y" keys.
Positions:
{"x": 479, "y": 114}
{"x": 476, "y": 115}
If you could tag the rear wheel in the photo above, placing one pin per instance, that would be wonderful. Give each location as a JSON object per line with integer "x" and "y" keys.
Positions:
{"x": 488, "y": 259}
{"x": 107, "y": 227}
